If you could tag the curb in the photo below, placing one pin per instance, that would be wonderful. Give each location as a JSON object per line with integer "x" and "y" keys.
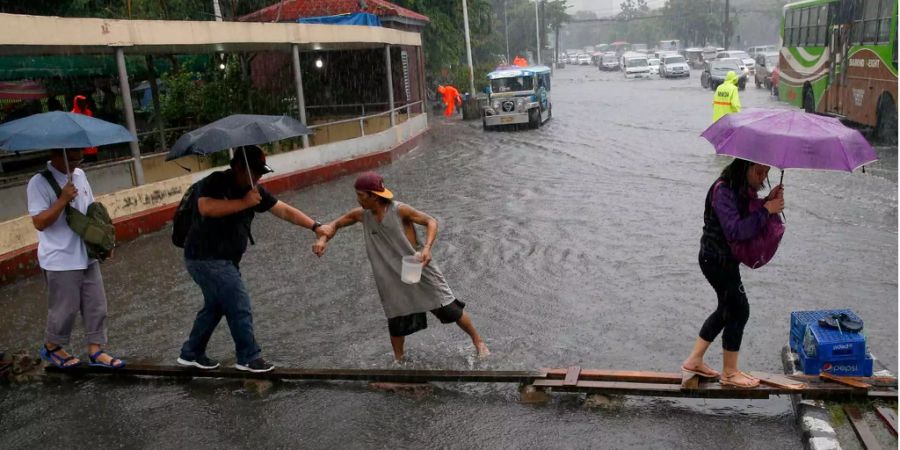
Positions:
{"x": 812, "y": 417}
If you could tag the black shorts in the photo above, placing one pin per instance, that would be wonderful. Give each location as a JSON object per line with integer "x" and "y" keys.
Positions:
{"x": 409, "y": 324}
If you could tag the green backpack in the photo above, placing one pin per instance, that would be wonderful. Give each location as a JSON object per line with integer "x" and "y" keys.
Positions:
{"x": 95, "y": 227}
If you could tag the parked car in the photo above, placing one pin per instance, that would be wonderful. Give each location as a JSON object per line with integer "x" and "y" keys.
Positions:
{"x": 749, "y": 63}
{"x": 584, "y": 60}
{"x": 653, "y": 63}
{"x": 637, "y": 67}
{"x": 660, "y": 54}
{"x": 715, "y": 71}
{"x": 694, "y": 57}
{"x": 756, "y": 50}
{"x": 765, "y": 62}
{"x": 609, "y": 61}
{"x": 674, "y": 66}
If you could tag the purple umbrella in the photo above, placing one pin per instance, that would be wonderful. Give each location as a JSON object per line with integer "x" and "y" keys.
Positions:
{"x": 790, "y": 139}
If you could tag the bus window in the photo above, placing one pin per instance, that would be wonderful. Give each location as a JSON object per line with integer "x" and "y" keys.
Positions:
{"x": 870, "y": 18}
{"x": 795, "y": 30}
{"x": 789, "y": 28}
{"x": 887, "y": 10}
{"x": 822, "y": 39}
{"x": 804, "y": 26}
{"x": 813, "y": 31}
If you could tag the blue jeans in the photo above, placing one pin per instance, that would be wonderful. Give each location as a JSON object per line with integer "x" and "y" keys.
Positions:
{"x": 223, "y": 294}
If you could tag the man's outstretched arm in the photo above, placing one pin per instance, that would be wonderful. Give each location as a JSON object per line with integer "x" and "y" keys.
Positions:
{"x": 351, "y": 217}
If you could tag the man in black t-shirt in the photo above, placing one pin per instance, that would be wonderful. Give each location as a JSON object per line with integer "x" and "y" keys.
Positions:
{"x": 227, "y": 202}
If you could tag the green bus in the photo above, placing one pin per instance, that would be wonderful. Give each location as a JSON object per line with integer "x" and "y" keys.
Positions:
{"x": 839, "y": 57}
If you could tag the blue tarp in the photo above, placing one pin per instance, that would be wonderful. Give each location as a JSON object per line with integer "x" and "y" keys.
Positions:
{"x": 364, "y": 19}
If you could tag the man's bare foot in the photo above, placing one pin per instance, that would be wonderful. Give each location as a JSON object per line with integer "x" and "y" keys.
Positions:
{"x": 482, "y": 350}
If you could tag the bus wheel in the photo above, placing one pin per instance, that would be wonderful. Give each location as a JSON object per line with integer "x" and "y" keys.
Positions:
{"x": 886, "y": 128}
{"x": 809, "y": 100}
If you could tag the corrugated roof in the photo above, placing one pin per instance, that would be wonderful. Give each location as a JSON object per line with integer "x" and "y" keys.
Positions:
{"x": 292, "y": 10}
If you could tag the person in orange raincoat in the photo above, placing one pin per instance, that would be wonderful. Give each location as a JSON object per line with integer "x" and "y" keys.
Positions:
{"x": 451, "y": 99}
{"x": 520, "y": 61}
{"x": 80, "y": 106}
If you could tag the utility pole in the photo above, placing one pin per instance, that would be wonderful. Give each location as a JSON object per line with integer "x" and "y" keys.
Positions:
{"x": 556, "y": 49}
{"x": 727, "y": 26}
{"x": 218, "y": 10}
{"x": 506, "y": 30}
{"x": 468, "y": 49}
{"x": 537, "y": 27}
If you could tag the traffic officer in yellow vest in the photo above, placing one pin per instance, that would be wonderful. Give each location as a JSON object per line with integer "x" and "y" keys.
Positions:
{"x": 725, "y": 100}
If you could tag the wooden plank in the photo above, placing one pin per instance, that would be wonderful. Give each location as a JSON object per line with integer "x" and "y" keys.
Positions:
{"x": 889, "y": 417}
{"x": 889, "y": 382}
{"x": 619, "y": 375}
{"x": 396, "y": 376}
{"x": 862, "y": 430}
{"x": 778, "y": 380}
{"x": 706, "y": 390}
{"x": 844, "y": 381}
{"x": 572, "y": 376}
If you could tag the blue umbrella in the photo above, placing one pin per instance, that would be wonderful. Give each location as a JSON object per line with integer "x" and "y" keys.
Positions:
{"x": 58, "y": 129}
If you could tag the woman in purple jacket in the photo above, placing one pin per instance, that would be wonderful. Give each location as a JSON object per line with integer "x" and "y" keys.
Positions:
{"x": 726, "y": 218}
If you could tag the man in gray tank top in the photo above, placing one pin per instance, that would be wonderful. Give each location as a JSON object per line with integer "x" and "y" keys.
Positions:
{"x": 390, "y": 235}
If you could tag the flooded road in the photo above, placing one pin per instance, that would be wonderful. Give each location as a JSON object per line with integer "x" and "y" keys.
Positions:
{"x": 574, "y": 244}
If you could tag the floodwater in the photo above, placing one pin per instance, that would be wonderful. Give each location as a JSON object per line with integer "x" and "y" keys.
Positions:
{"x": 574, "y": 244}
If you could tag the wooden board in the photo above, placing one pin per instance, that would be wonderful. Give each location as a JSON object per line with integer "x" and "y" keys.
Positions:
{"x": 572, "y": 376}
{"x": 706, "y": 390}
{"x": 595, "y": 381}
{"x": 889, "y": 417}
{"x": 889, "y": 382}
{"x": 619, "y": 375}
{"x": 845, "y": 381}
{"x": 778, "y": 380}
{"x": 862, "y": 430}
{"x": 395, "y": 376}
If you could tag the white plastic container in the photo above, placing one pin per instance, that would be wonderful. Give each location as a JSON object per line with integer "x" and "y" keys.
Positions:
{"x": 411, "y": 270}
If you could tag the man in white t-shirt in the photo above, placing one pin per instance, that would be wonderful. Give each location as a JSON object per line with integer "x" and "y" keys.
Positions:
{"x": 74, "y": 283}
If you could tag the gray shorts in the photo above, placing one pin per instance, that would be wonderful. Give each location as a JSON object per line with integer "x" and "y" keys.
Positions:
{"x": 70, "y": 292}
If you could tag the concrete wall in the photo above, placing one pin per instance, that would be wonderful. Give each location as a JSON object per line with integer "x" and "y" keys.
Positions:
{"x": 18, "y": 233}
{"x": 23, "y": 34}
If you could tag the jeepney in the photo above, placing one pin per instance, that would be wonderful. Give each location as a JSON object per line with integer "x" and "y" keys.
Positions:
{"x": 518, "y": 95}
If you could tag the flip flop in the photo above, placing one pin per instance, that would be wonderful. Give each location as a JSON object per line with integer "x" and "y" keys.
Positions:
{"x": 95, "y": 363}
{"x": 849, "y": 323}
{"x": 50, "y": 356}
{"x": 725, "y": 381}
{"x": 842, "y": 322}
{"x": 712, "y": 375}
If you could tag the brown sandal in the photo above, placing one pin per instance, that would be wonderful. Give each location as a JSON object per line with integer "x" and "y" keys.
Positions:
{"x": 728, "y": 381}
{"x": 702, "y": 373}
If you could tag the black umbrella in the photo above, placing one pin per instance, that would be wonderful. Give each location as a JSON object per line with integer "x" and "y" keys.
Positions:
{"x": 235, "y": 131}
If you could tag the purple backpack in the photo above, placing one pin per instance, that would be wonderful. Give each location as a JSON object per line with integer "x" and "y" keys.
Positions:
{"x": 760, "y": 249}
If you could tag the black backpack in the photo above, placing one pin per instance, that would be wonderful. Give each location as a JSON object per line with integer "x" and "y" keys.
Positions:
{"x": 185, "y": 215}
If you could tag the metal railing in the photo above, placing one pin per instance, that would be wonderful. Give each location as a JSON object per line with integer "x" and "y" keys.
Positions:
{"x": 362, "y": 119}
{"x": 362, "y": 106}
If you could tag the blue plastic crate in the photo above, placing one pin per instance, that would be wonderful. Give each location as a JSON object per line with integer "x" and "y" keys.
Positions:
{"x": 822, "y": 342}
{"x": 848, "y": 367}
